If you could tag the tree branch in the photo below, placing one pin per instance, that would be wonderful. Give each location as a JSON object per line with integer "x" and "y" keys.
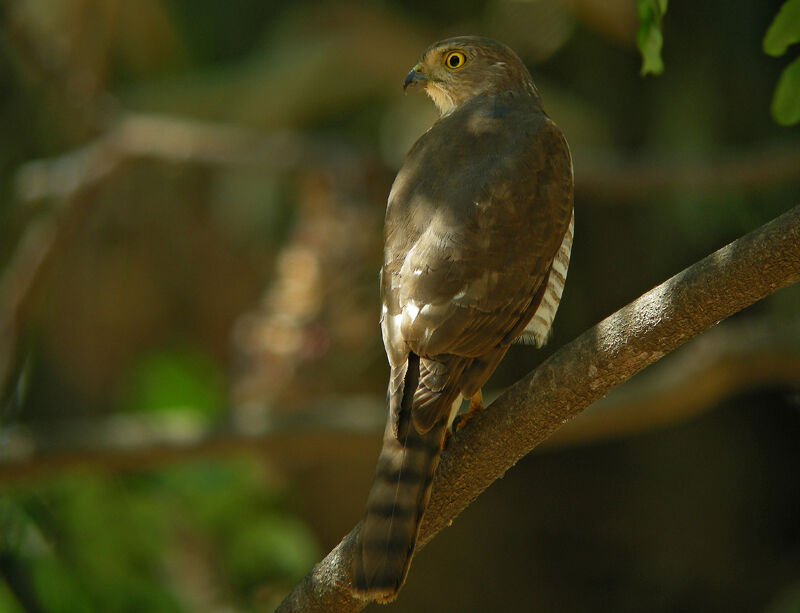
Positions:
{"x": 726, "y": 361}
{"x": 604, "y": 174}
{"x": 20, "y": 283}
{"x": 133, "y": 442}
{"x": 609, "y": 178}
{"x": 573, "y": 378}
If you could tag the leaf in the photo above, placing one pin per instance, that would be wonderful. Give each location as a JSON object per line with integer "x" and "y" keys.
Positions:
{"x": 784, "y": 29}
{"x": 786, "y": 100}
{"x": 648, "y": 37}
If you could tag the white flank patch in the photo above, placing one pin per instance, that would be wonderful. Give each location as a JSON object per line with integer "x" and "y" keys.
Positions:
{"x": 539, "y": 327}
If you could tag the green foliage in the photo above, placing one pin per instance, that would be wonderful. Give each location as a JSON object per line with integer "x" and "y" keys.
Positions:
{"x": 648, "y": 37}
{"x": 98, "y": 543}
{"x": 786, "y": 101}
{"x": 176, "y": 379}
{"x": 84, "y": 541}
{"x": 275, "y": 545}
{"x": 784, "y": 29}
{"x": 257, "y": 539}
{"x": 783, "y": 32}
{"x": 8, "y": 604}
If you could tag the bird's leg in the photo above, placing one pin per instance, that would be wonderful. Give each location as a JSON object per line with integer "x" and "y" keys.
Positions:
{"x": 450, "y": 429}
{"x": 475, "y": 405}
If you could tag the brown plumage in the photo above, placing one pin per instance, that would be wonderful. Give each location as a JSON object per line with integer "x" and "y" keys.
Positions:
{"x": 477, "y": 240}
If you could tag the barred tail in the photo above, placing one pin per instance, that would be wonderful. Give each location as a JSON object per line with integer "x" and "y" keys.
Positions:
{"x": 400, "y": 492}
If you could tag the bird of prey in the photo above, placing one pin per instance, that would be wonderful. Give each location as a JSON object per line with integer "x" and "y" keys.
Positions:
{"x": 477, "y": 240}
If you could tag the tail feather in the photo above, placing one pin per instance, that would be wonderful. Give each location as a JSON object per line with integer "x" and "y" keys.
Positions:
{"x": 398, "y": 497}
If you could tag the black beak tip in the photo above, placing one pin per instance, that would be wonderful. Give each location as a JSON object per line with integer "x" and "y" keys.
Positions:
{"x": 414, "y": 78}
{"x": 412, "y": 74}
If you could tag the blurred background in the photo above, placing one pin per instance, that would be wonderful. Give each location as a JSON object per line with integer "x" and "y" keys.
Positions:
{"x": 191, "y": 203}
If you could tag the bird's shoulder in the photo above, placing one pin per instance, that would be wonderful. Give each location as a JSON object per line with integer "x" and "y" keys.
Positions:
{"x": 480, "y": 126}
{"x": 493, "y": 151}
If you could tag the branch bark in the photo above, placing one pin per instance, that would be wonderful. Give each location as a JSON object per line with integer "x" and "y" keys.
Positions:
{"x": 728, "y": 360}
{"x": 574, "y": 377}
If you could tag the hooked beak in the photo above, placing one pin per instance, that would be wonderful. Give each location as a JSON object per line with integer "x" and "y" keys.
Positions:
{"x": 414, "y": 78}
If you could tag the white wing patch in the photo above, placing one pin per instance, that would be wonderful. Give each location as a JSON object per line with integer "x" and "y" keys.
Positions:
{"x": 410, "y": 311}
{"x": 538, "y": 328}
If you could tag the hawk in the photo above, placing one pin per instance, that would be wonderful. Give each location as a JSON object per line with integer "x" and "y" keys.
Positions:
{"x": 477, "y": 241}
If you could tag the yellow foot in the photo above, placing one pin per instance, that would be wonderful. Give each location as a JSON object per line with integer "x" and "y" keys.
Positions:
{"x": 475, "y": 405}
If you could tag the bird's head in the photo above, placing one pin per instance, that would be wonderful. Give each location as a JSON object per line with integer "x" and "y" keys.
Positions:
{"x": 455, "y": 70}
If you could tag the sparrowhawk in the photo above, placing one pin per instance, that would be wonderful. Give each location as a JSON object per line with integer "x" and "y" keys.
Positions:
{"x": 477, "y": 239}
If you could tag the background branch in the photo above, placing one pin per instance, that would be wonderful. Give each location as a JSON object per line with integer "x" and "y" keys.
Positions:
{"x": 38, "y": 249}
{"x": 603, "y": 174}
{"x": 731, "y": 359}
{"x": 632, "y": 179}
{"x": 576, "y": 376}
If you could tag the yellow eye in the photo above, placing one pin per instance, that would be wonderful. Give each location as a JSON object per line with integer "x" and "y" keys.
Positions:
{"x": 454, "y": 60}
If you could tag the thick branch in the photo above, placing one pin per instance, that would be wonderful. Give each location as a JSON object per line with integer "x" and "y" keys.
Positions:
{"x": 728, "y": 360}
{"x": 576, "y": 376}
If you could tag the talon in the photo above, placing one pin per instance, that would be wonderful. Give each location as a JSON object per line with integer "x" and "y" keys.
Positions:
{"x": 475, "y": 406}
